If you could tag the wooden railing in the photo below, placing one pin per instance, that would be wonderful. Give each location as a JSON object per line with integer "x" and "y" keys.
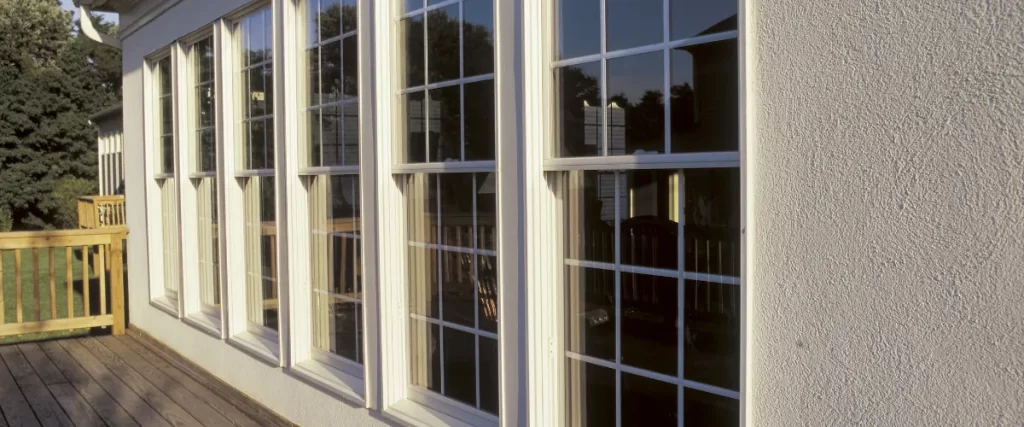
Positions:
{"x": 101, "y": 212}
{"x": 62, "y": 293}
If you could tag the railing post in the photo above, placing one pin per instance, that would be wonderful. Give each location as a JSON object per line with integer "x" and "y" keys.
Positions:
{"x": 117, "y": 283}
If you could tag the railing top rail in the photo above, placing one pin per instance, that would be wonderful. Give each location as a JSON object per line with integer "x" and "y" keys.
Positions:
{"x": 109, "y": 198}
{"x": 58, "y": 238}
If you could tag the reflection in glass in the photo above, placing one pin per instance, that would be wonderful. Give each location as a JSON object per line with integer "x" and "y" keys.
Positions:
{"x": 261, "y": 263}
{"x": 590, "y": 221}
{"x": 486, "y": 210}
{"x": 650, "y": 313}
{"x": 445, "y": 124}
{"x": 425, "y": 351}
{"x": 457, "y": 282}
{"x": 706, "y": 409}
{"x": 487, "y": 292}
{"x": 649, "y": 226}
{"x": 416, "y": 127}
{"x": 590, "y": 312}
{"x": 705, "y": 97}
{"x": 691, "y": 18}
{"x": 579, "y": 109}
{"x": 590, "y": 395}
{"x": 634, "y": 23}
{"x": 169, "y": 227}
{"x": 350, "y": 67}
{"x": 480, "y": 120}
{"x": 478, "y": 37}
{"x": 336, "y": 265}
{"x": 460, "y": 366}
{"x": 414, "y": 54}
{"x": 636, "y": 105}
{"x": 649, "y": 402}
{"x": 209, "y": 277}
{"x": 488, "y": 374}
{"x": 443, "y": 44}
{"x": 579, "y": 28}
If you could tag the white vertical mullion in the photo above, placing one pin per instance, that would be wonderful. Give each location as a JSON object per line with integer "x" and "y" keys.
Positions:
{"x": 747, "y": 134}
{"x": 294, "y": 249}
{"x": 510, "y": 167}
{"x": 232, "y": 189}
{"x": 222, "y": 133}
{"x": 173, "y": 271}
{"x": 188, "y": 295}
{"x": 393, "y": 317}
{"x": 368, "y": 220}
{"x": 154, "y": 195}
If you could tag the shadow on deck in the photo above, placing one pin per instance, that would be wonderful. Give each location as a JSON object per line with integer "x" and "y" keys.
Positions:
{"x": 128, "y": 380}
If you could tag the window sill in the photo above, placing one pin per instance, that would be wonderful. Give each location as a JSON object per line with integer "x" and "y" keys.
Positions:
{"x": 330, "y": 380}
{"x": 414, "y": 413}
{"x": 204, "y": 323}
{"x": 258, "y": 347}
{"x": 166, "y": 305}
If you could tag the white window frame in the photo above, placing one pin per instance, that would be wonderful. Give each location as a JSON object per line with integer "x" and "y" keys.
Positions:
{"x": 156, "y": 215}
{"x": 343, "y": 378}
{"x": 546, "y": 305}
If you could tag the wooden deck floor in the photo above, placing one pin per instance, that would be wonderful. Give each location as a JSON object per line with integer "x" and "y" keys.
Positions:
{"x": 129, "y": 380}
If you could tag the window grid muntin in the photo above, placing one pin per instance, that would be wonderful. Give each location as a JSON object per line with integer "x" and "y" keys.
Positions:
{"x": 428, "y": 86}
{"x": 243, "y": 28}
{"x": 680, "y": 273}
{"x": 324, "y": 179}
{"x": 476, "y": 253}
{"x": 163, "y": 70}
{"x": 666, "y": 46}
{"x": 344, "y": 101}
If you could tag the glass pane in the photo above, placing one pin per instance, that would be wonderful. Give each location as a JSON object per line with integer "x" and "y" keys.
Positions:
{"x": 636, "y": 105}
{"x": 650, "y": 402}
{"x": 268, "y": 87}
{"x": 411, "y": 5}
{"x": 312, "y": 22}
{"x": 330, "y": 69}
{"x": 579, "y": 109}
{"x": 423, "y": 298}
{"x": 315, "y": 89}
{"x": 332, "y": 134}
{"x": 350, "y": 66}
{"x": 590, "y": 396}
{"x": 705, "y": 98}
{"x": 261, "y": 252}
{"x": 416, "y": 130}
{"x": 456, "y": 210}
{"x": 443, "y": 44}
{"x": 421, "y": 205}
{"x": 207, "y": 151}
{"x": 486, "y": 208}
{"x": 345, "y": 317}
{"x": 205, "y": 101}
{"x": 590, "y": 312}
{"x": 457, "y": 285}
{"x": 257, "y": 48}
{"x": 460, "y": 366}
{"x": 712, "y": 221}
{"x": 257, "y": 145}
{"x": 579, "y": 28}
{"x": 480, "y": 120}
{"x": 257, "y": 93}
{"x": 315, "y": 138}
{"x": 330, "y": 19}
{"x": 650, "y": 313}
{"x": 650, "y": 219}
{"x": 425, "y": 349}
{"x": 712, "y": 350}
{"x": 590, "y": 215}
{"x": 414, "y": 55}
{"x": 209, "y": 279}
{"x": 166, "y": 116}
{"x": 634, "y": 23}
{"x": 350, "y": 133}
{"x": 349, "y": 15}
{"x": 478, "y": 37}
{"x": 489, "y": 375}
{"x": 445, "y": 124}
{"x": 487, "y": 292}
{"x": 204, "y": 51}
{"x": 706, "y": 409}
{"x": 167, "y": 145}
{"x": 692, "y": 18}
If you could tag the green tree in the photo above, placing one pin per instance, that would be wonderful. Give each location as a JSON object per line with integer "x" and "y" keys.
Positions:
{"x": 50, "y": 82}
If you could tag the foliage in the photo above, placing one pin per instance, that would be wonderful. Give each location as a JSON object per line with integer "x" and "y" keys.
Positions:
{"x": 6, "y": 220}
{"x": 66, "y": 196}
{"x": 50, "y": 82}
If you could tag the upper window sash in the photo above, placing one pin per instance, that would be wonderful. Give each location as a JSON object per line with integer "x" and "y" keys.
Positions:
{"x": 253, "y": 77}
{"x": 202, "y": 95}
{"x": 162, "y": 115}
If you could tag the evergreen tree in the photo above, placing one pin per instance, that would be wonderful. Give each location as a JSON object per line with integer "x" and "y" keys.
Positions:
{"x": 51, "y": 80}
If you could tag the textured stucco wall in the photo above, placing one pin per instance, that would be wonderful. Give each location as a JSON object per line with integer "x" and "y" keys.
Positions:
{"x": 889, "y": 186}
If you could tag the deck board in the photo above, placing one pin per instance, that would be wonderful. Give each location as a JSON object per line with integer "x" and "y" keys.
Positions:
{"x": 230, "y": 411}
{"x": 128, "y": 381}
{"x": 103, "y": 403}
{"x": 47, "y": 410}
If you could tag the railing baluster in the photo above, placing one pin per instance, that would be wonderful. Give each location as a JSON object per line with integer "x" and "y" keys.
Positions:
{"x": 117, "y": 284}
{"x": 85, "y": 282}
{"x": 35, "y": 280}
{"x": 3, "y": 317}
{"x": 102, "y": 272}
{"x": 69, "y": 282}
{"x": 53, "y": 287}
{"x": 17, "y": 285}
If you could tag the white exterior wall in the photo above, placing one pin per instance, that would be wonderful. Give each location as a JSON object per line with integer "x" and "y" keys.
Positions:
{"x": 271, "y": 386}
{"x": 110, "y": 155}
{"x": 888, "y": 245}
{"x": 886, "y": 191}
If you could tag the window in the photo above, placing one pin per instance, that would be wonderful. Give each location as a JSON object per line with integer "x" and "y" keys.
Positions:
{"x": 166, "y": 178}
{"x": 448, "y": 106}
{"x": 331, "y": 169}
{"x": 255, "y": 82}
{"x": 204, "y": 172}
{"x": 651, "y": 231}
